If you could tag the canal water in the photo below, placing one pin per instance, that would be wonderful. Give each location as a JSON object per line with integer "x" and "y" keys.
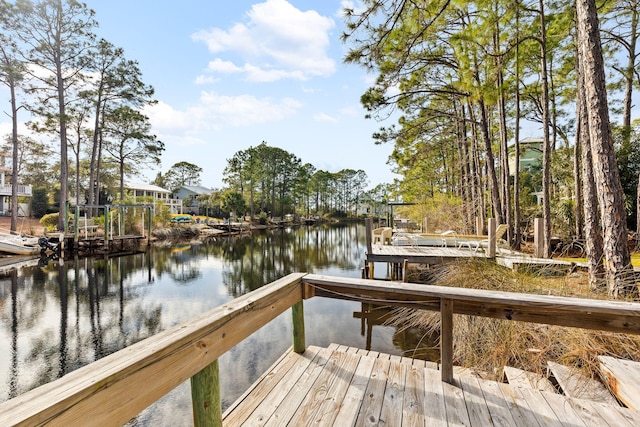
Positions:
{"x": 63, "y": 315}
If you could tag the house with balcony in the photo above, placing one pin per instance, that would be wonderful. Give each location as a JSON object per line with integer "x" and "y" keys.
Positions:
{"x": 158, "y": 194}
{"x": 24, "y": 209}
{"x": 188, "y": 194}
{"x": 530, "y": 158}
{"x": 530, "y": 154}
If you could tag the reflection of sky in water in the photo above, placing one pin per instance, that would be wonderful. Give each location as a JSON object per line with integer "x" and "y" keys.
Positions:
{"x": 108, "y": 304}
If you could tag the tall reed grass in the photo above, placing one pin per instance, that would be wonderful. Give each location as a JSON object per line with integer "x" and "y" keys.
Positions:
{"x": 487, "y": 345}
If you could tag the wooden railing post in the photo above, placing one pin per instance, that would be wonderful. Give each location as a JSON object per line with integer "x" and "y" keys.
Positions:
{"x": 479, "y": 226}
{"x": 297, "y": 312}
{"x": 368, "y": 222}
{"x": 446, "y": 340}
{"x": 491, "y": 247}
{"x": 205, "y": 397}
{"x": 538, "y": 238}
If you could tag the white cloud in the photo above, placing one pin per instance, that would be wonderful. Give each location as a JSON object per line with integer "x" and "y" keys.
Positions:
{"x": 277, "y": 42}
{"x": 201, "y": 80}
{"x": 214, "y": 112}
{"x": 226, "y": 67}
{"x": 323, "y": 117}
{"x": 351, "y": 111}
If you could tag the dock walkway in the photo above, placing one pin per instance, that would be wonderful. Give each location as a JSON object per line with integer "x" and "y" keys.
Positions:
{"x": 443, "y": 255}
{"x": 345, "y": 386}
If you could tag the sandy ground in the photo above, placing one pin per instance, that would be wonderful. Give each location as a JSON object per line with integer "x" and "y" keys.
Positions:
{"x": 30, "y": 226}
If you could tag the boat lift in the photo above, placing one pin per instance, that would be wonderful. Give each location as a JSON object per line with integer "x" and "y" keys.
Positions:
{"x": 117, "y": 225}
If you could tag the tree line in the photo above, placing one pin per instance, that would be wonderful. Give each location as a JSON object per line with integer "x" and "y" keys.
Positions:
{"x": 273, "y": 181}
{"x": 466, "y": 75}
{"x": 83, "y": 92}
{"x": 79, "y": 89}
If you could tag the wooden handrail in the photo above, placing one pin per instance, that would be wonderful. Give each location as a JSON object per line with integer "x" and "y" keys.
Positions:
{"x": 102, "y": 391}
{"x": 612, "y": 316}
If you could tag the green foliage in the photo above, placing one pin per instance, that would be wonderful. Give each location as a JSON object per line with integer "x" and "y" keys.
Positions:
{"x": 563, "y": 217}
{"x": 180, "y": 174}
{"x": 627, "y": 143}
{"x": 234, "y": 202}
{"x": 443, "y": 212}
{"x": 50, "y": 221}
{"x": 262, "y": 218}
{"x": 274, "y": 180}
{"x": 39, "y": 202}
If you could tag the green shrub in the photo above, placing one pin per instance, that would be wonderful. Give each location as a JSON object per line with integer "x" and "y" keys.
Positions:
{"x": 39, "y": 202}
{"x": 50, "y": 221}
{"x": 262, "y": 218}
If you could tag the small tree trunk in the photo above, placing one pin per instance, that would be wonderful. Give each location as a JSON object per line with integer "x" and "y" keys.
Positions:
{"x": 546, "y": 149}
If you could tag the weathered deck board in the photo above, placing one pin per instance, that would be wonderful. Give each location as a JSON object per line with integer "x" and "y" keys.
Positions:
{"x": 527, "y": 379}
{"x": 293, "y": 398}
{"x": 348, "y": 412}
{"x": 342, "y": 386}
{"x": 391, "y": 414}
{"x": 413, "y": 411}
{"x": 540, "y": 408}
{"x": 623, "y": 377}
{"x": 435, "y": 406}
{"x": 372, "y": 404}
{"x": 518, "y": 406}
{"x": 264, "y": 385}
{"x": 574, "y": 384}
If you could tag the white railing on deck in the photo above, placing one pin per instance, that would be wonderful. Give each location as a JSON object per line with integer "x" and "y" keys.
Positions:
{"x": 23, "y": 190}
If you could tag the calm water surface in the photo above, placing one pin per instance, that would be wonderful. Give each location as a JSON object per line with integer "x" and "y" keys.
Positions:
{"x": 64, "y": 315}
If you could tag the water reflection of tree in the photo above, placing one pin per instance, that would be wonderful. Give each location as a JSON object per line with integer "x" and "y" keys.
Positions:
{"x": 82, "y": 310}
{"x": 70, "y": 314}
{"x": 259, "y": 258}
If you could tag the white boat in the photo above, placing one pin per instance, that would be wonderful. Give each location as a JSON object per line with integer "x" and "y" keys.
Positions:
{"x": 18, "y": 244}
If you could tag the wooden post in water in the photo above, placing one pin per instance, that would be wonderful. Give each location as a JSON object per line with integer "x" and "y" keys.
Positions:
{"x": 149, "y": 224}
{"x": 205, "y": 397}
{"x": 76, "y": 228}
{"x": 491, "y": 250}
{"x": 297, "y": 313}
{"x": 106, "y": 224}
{"x": 446, "y": 340}
{"x": 368, "y": 222}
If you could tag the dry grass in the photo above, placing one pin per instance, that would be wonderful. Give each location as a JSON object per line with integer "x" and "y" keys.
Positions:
{"x": 25, "y": 225}
{"x": 489, "y": 344}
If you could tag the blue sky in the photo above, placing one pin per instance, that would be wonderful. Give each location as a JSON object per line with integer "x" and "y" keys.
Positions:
{"x": 229, "y": 75}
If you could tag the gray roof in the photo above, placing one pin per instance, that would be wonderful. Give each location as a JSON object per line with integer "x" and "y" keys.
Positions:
{"x": 197, "y": 189}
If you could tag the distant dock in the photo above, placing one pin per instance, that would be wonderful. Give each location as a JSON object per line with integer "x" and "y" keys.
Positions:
{"x": 397, "y": 257}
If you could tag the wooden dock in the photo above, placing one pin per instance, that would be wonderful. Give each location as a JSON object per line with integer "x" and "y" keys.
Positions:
{"x": 450, "y": 248}
{"x": 434, "y": 255}
{"x": 345, "y": 386}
